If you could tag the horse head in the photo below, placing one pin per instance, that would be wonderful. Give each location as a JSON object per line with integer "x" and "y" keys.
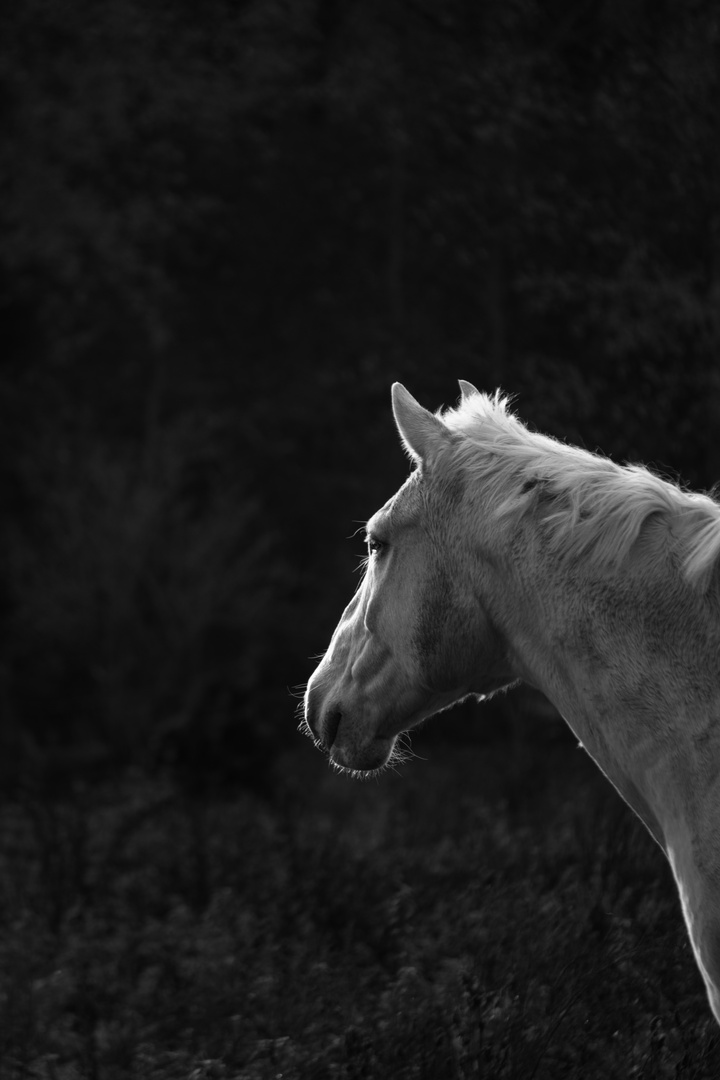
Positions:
{"x": 416, "y": 637}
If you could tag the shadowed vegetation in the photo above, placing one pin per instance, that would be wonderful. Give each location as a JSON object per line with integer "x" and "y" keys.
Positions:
{"x": 471, "y": 916}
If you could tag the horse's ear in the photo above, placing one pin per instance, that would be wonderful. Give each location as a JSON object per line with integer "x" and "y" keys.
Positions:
{"x": 421, "y": 432}
{"x": 467, "y": 389}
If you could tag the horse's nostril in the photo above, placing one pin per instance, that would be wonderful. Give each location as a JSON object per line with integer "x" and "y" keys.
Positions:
{"x": 331, "y": 726}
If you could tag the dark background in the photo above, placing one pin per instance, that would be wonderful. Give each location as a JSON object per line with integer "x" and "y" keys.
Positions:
{"x": 226, "y": 228}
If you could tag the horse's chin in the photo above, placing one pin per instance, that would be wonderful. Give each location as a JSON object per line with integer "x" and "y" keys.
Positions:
{"x": 362, "y": 759}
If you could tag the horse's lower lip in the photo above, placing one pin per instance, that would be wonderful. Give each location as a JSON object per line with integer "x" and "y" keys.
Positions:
{"x": 363, "y": 759}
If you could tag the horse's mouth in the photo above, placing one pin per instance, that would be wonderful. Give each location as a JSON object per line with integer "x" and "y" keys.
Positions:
{"x": 363, "y": 759}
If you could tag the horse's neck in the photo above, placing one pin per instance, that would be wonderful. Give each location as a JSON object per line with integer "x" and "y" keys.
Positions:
{"x": 633, "y": 664}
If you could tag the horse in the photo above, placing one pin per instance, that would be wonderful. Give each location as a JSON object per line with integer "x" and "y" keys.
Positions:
{"x": 509, "y": 556}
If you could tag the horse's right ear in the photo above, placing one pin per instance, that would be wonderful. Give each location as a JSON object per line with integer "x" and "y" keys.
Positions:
{"x": 421, "y": 432}
{"x": 467, "y": 389}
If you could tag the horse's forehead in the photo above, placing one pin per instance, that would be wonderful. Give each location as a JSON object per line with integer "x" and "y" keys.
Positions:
{"x": 419, "y": 497}
{"x": 406, "y": 504}
{"x": 400, "y": 509}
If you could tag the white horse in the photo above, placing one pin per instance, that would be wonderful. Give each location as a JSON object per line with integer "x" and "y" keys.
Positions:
{"x": 507, "y": 555}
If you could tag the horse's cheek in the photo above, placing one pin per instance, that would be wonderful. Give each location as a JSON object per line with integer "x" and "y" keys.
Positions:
{"x": 470, "y": 646}
{"x": 443, "y": 637}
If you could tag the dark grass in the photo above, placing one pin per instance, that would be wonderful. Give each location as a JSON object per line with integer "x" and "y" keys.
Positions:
{"x": 495, "y": 911}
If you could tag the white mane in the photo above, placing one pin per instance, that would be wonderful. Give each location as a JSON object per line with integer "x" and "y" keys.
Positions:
{"x": 593, "y": 506}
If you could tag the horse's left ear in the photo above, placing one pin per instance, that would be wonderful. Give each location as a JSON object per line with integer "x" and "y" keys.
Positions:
{"x": 421, "y": 432}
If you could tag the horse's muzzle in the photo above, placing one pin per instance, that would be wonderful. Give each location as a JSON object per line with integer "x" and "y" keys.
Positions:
{"x": 322, "y": 718}
{"x": 334, "y": 731}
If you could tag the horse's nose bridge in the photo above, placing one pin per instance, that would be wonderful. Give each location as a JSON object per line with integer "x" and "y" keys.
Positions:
{"x": 334, "y": 676}
{"x": 370, "y": 614}
{"x": 344, "y": 639}
{"x": 370, "y": 656}
{"x": 353, "y": 674}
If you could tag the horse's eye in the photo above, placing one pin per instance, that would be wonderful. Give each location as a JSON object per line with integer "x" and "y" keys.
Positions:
{"x": 375, "y": 546}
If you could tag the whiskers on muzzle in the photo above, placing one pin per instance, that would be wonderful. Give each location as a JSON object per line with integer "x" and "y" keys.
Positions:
{"x": 301, "y": 717}
{"x": 402, "y": 751}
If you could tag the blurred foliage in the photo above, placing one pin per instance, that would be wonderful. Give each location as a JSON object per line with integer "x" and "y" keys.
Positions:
{"x": 449, "y": 926}
{"x": 142, "y": 584}
{"x": 261, "y": 214}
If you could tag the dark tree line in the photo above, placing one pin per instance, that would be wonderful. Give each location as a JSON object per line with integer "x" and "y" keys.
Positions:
{"x": 226, "y": 229}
